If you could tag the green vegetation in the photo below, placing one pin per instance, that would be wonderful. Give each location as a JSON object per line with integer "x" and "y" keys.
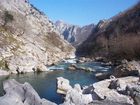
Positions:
{"x": 120, "y": 39}
{"x": 7, "y": 39}
{"x": 7, "y": 17}
{"x": 3, "y": 65}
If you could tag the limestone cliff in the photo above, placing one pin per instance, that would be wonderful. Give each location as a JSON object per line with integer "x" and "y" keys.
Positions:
{"x": 28, "y": 39}
{"x": 73, "y": 33}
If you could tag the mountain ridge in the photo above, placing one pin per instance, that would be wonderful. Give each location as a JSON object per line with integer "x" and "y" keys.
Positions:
{"x": 117, "y": 38}
{"x": 74, "y": 33}
{"x": 28, "y": 40}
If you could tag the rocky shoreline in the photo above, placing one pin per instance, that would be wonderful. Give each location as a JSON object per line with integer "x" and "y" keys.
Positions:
{"x": 21, "y": 94}
{"x": 113, "y": 91}
{"x": 121, "y": 89}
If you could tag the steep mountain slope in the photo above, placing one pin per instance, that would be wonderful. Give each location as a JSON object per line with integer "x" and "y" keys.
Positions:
{"x": 74, "y": 34}
{"x": 118, "y": 37}
{"x": 28, "y": 40}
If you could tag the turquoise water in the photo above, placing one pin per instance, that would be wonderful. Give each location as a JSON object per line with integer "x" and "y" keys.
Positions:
{"x": 45, "y": 83}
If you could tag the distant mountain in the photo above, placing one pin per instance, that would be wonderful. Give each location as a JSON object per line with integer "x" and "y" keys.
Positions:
{"x": 118, "y": 37}
{"x": 73, "y": 33}
{"x": 28, "y": 39}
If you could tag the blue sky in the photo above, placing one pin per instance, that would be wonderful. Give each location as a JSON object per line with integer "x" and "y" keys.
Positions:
{"x": 82, "y": 12}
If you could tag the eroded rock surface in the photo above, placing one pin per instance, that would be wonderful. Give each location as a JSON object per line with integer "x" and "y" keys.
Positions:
{"x": 28, "y": 39}
{"x": 127, "y": 69}
{"x": 106, "y": 92}
{"x": 63, "y": 85}
{"x": 21, "y": 94}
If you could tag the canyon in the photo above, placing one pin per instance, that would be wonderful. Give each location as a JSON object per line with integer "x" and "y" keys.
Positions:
{"x": 103, "y": 58}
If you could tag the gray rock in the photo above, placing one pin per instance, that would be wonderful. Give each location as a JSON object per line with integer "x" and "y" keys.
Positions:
{"x": 63, "y": 85}
{"x": 102, "y": 76}
{"x": 72, "y": 67}
{"x": 127, "y": 68}
{"x": 100, "y": 94}
{"x": 21, "y": 94}
{"x": 4, "y": 72}
{"x": 77, "y": 67}
{"x": 74, "y": 97}
{"x": 78, "y": 88}
{"x": 103, "y": 92}
{"x": 134, "y": 91}
{"x": 104, "y": 102}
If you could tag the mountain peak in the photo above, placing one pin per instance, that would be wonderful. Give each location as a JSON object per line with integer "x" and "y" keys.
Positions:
{"x": 73, "y": 33}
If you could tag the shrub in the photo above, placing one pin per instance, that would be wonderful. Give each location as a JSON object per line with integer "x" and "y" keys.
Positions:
{"x": 7, "y": 17}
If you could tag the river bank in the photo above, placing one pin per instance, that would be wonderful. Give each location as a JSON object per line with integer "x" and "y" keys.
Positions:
{"x": 45, "y": 82}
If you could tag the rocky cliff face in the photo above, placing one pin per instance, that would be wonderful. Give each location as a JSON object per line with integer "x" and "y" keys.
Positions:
{"x": 28, "y": 40}
{"x": 116, "y": 38}
{"x": 74, "y": 34}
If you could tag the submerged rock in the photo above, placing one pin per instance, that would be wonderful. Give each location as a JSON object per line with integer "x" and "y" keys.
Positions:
{"x": 73, "y": 67}
{"x": 102, "y": 76}
{"x": 77, "y": 67}
{"x": 21, "y": 94}
{"x": 84, "y": 59}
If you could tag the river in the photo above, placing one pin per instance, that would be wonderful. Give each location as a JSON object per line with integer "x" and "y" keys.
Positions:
{"x": 45, "y": 83}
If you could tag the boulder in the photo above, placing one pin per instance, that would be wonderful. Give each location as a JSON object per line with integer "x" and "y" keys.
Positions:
{"x": 78, "y": 88}
{"x": 21, "y": 94}
{"x": 106, "y": 102}
{"x": 127, "y": 69}
{"x": 3, "y": 72}
{"x": 83, "y": 59}
{"x": 74, "y": 97}
{"x": 100, "y": 94}
{"x": 72, "y": 67}
{"x": 76, "y": 67}
{"x": 102, "y": 76}
{"x": 113, "y": 95}
{"x": 63, "y": 85}
{"x": 103, "y": 91}
{"x": 120, "y": 84}
{"x": 134, "y": 91}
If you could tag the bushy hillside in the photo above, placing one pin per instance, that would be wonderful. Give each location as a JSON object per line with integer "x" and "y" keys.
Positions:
{"x": 116, "y": 38}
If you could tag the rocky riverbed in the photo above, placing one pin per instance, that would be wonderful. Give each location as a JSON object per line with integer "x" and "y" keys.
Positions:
{"x": 77, "y": 86}
{"x": 114, "y": 91}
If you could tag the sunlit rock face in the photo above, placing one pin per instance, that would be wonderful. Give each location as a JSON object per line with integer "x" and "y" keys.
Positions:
{"x": 21, "y": 94}
{"x": 28, "y": 39}
{"x": 73, "y": 33}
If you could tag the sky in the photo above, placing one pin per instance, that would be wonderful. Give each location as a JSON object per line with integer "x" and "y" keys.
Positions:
{"x": 82, "y": 12}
